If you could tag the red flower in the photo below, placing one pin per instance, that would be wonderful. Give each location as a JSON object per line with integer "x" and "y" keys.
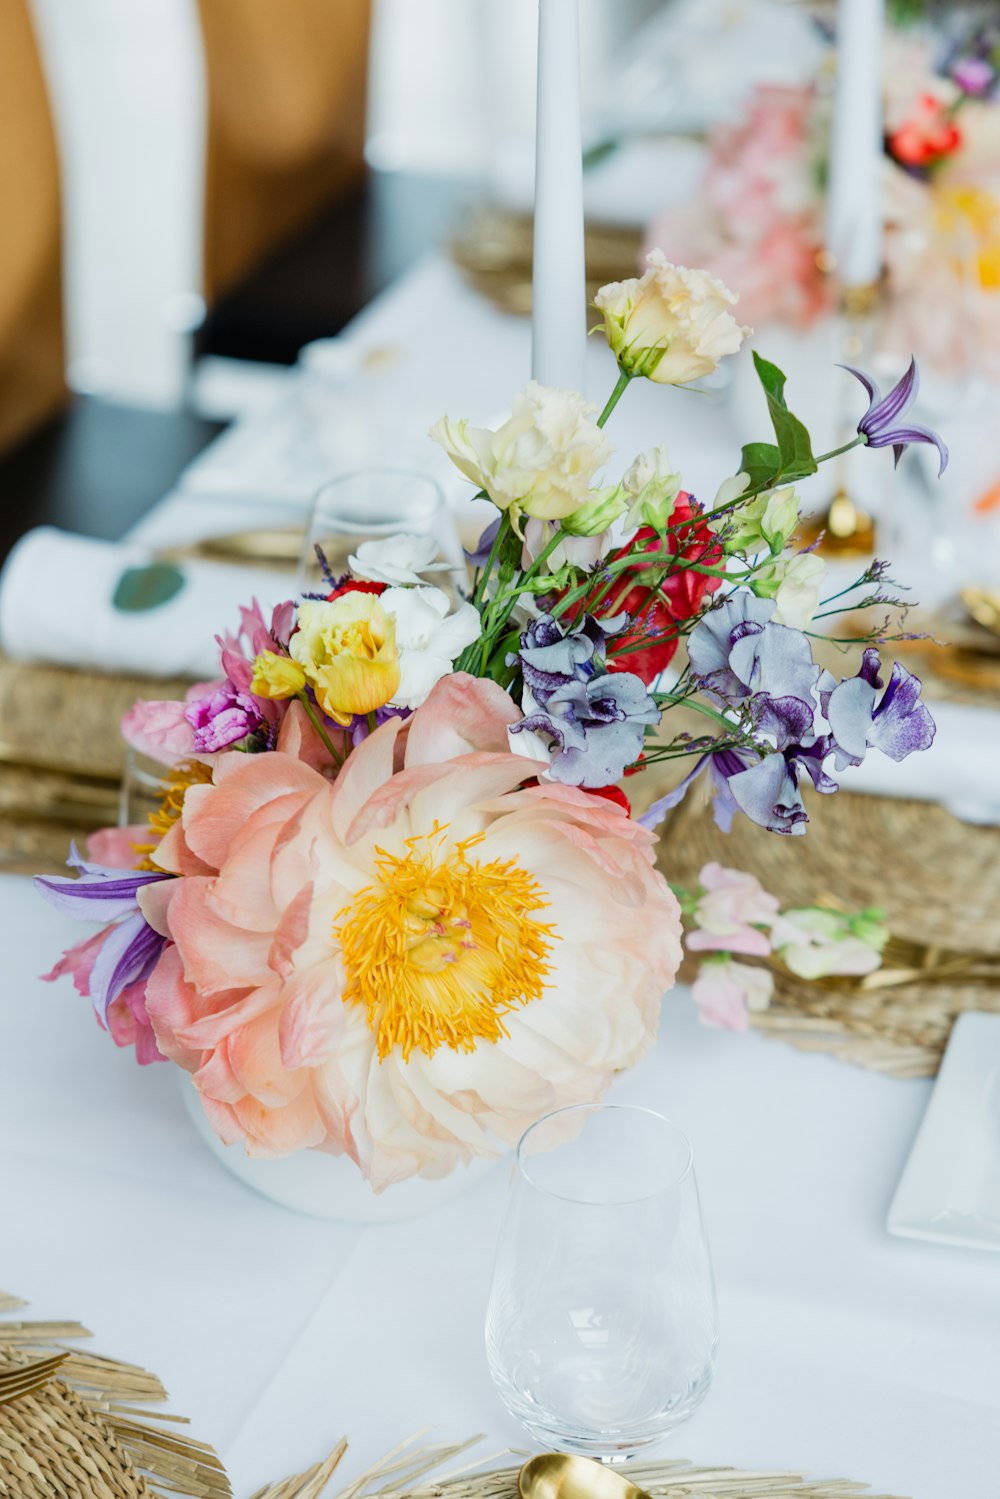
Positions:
{"x": 612, "y": 794}
{"x": 355, "y": 586}
{"x": 929, "y": 135}
{"x": 655, "y": 616}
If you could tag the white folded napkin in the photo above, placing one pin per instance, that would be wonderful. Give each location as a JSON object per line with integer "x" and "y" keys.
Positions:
{"x": 56, "y": 604}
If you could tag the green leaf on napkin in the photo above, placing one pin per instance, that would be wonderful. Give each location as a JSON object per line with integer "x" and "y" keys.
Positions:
{"x": 142, "y": 588}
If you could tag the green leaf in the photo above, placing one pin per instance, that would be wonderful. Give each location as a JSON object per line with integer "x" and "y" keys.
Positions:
{"x": 142, "y": 588}
{"x": 794, "y": 444}
{"x": 762, "y": 461}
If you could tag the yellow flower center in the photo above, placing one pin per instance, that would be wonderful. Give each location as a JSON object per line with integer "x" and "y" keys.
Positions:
{"x": 442, "y": 947}
{"x": 175, "y": 787}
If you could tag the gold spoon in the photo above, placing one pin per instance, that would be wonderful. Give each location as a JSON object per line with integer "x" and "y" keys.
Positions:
{"x": 557, "y": 1475}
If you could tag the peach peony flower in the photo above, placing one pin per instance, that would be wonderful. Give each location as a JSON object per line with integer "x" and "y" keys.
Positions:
{"x": 413, "y": 962}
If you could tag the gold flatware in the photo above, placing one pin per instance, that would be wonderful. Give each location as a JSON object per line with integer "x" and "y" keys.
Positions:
{"x": 278, "y": 546}
{"x": 557, "y": 1475}
{"x": 983, "y": 605}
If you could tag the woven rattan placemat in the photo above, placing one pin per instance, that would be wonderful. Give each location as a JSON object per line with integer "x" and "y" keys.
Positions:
{"x": 937, "y": 879}
{"x": 79, "y": 1435}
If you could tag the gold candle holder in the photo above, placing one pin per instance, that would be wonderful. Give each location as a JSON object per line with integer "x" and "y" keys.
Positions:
{"x": 844, "y": 528}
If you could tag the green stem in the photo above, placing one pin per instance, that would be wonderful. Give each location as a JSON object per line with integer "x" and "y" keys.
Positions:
{"x": 855, "y": 442}
{"x": 614, "y": 397}
{"x": 313, "y": 717}
{"x": 498, "y": 541}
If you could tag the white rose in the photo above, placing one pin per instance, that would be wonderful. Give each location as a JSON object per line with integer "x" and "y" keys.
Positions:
{"x": 429, "y": 639}
{"x": 671, "y": 325}
{"x": 541, "y": 462}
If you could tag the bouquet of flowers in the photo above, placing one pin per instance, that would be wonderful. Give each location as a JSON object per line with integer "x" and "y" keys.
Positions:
{"x": 759, "y": 219}
{"x": 394, "y": 902}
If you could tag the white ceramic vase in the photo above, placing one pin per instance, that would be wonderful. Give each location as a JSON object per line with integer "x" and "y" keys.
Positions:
{"x": 328, "y": 1186}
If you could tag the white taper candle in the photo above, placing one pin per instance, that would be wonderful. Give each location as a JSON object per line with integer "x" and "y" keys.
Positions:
{"x": 854, "y": 223}
{"x": 559, "y": 318}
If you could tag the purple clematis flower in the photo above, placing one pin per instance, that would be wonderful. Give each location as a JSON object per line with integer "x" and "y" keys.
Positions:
{"x": 131, "y": 947}
{"x": 594, "y": 719}
{"x": 736, "y": 652}
{"x": 898, "y": 723}
{"x": 224, "y": 717}
{"x": 883, "y": 424}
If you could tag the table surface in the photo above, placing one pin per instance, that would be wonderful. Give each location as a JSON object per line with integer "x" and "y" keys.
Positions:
{"x": 844, "y": 1351}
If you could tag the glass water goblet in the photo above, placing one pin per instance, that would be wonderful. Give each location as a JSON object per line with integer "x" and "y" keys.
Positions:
{"x": 601, "y": 1330}
{"x": 373, "y": 504}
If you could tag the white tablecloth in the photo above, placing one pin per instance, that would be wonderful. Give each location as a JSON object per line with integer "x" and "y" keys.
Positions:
{"x": 843, "y": 1350}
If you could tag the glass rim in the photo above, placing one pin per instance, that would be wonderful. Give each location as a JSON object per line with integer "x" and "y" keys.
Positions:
{"x": 604, "y": 1108}
{"x": 372, "y": 470}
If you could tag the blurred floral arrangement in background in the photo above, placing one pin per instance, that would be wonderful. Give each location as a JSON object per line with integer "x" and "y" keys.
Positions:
{"x": 759, "y": 220}
{"x": 394, "y": 902}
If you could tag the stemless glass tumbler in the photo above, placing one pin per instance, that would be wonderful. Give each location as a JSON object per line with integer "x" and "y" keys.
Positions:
{"x": 372, "y": 505}
{"x": 601, "y": 1329}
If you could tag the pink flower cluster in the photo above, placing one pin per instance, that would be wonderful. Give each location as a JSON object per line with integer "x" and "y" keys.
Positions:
{"x": 758, "y": 223}
{"x": 732, "y": 914}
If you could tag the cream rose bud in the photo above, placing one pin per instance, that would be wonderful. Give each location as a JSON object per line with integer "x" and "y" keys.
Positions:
{"x": 794, "y": 583}
{"x": 671, "y": 325}
{"x": 540, "y": 462}
{"x": 652, "y": 488}
{"x": 764, "y": 523}
{"x": 604, "y": 507}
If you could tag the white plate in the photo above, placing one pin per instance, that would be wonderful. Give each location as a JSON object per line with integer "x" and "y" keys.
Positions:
{"x": 950, "y": 1190}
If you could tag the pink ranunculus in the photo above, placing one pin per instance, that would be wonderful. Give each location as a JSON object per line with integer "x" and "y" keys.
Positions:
{"x": 727, "y": 916}
{"x": 413, "y": 962}
{"x": 725, "y": 992}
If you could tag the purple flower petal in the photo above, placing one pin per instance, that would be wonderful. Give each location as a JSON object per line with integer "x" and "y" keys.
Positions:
{"x": 129, "y": 953}
{"x": 769, "y": 795}
{"x": 98, "y": 895}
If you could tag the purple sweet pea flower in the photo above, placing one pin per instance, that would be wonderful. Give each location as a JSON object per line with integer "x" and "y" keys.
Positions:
{"x": 898, "y": 723}
{"x": 131, "y": 948}
{"x": 595, "y": 719}
{"x": 551, "y": 657}
{"x": 598, "y": 725}
{"x": 736, "y": 652}
{"x": 224, "y": 717}
{"x": 764, "y": 786}
{"x": 882, "y": 425}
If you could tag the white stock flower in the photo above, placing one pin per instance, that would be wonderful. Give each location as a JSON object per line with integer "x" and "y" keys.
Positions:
{"x": 428, "y": 639}
{"x": 397, "y": 560}
{"x": 671, "y": 325}
{"x": 540, "y": 462}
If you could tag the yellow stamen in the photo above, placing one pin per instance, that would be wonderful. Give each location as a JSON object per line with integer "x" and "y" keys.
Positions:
{"x": 175, "y": 787}
{"x": 442, "y": 947}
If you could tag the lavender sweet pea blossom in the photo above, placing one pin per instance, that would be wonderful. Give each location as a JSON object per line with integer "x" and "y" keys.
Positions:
{"x": 883, "y": 424}
{"x": 131, "y": 948}
{"x": 736, "y": 652}
{"x": 588, "y": 722}
{"x": 897, "y": 723}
